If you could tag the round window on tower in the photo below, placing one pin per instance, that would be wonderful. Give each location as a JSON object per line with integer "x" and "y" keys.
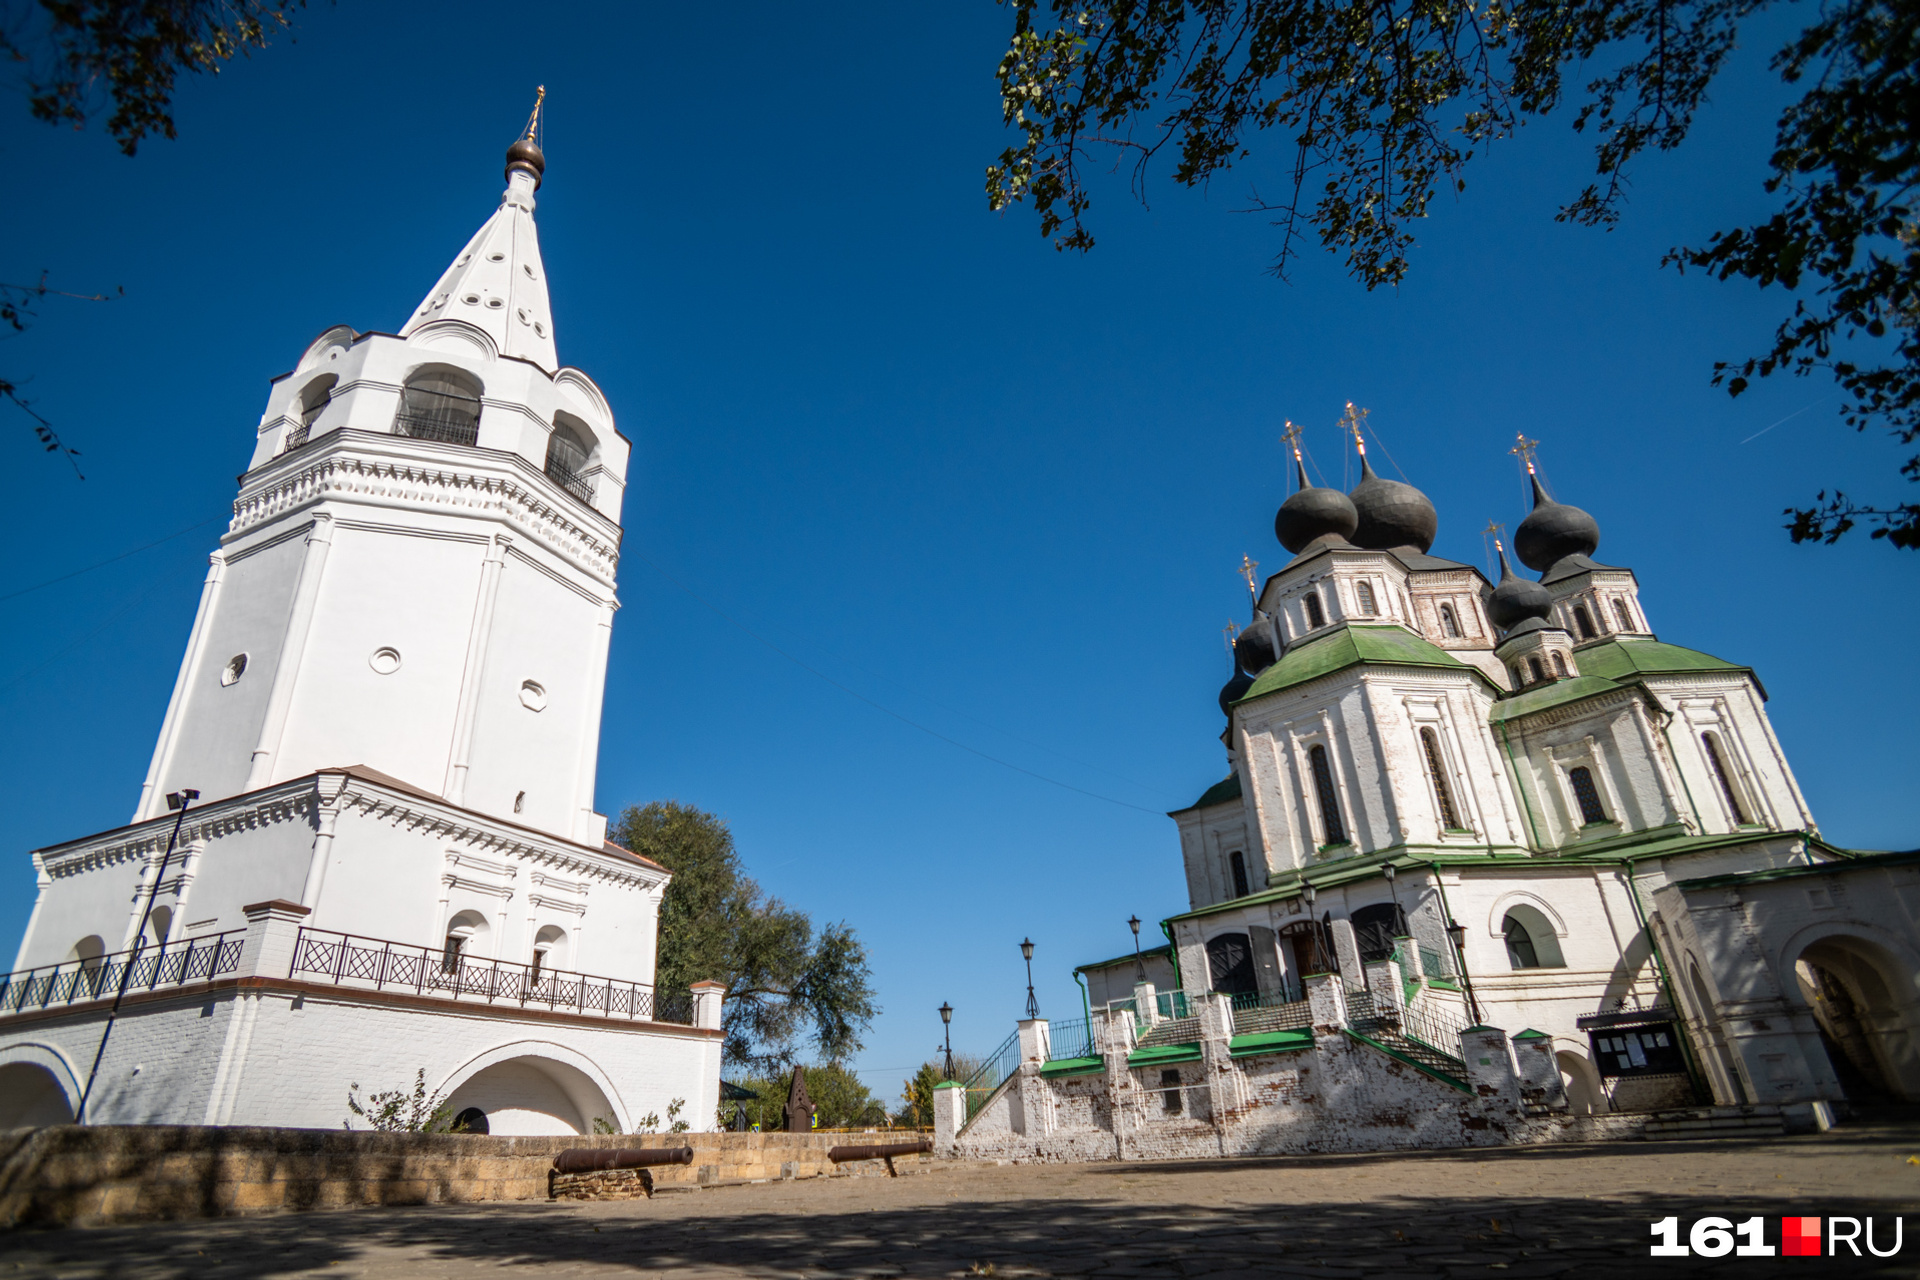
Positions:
{"x": 532, "y": 696}
{"x": 235, "y": 668}
{"x": 385, "y": 660}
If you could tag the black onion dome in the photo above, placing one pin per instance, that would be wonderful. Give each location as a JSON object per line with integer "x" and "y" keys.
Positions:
{"x": 1516, "y": 599}
{"x": 1254, "y": 649}
{"x": 1313, "y": 512}
{"x": 1554, "y": 531}
{"x": 1234, "y": 690}
{"x": 1392, "y": 514}
{"x": 526, "y": 154}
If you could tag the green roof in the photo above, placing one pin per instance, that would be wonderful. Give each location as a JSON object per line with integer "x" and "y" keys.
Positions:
{"x": 1153, "y": 1055}
{"x": 1270, "y": 1042}
{"x": 1073, "y": 1067}
{"x": 1907, "y": 858}
{"x": 1555, "y": 694}
{"x": 1228, "y": 788}
{"x": 1351, "y": 645}
{"x": 1626, "y": 658}
{"x": 1164, "y": 949}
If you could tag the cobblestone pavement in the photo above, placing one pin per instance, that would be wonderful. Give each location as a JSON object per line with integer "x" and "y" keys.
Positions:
{"x": 1569, "y": 1211}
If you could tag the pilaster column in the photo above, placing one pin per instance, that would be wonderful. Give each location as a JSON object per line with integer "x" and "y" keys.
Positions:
{"x": 460, "y": 756}
{"x": 286, "y": 673}
{"x": 1539, "y": 1073}
{"x": 1347, "y": 947}
{"x": 150, "y": 804}
{"x": 588, "y": 827}
{"x": 707, "y": 1000}
{"x": 1117, "y": 1039}
{"x": 273, "y": 928}
{"x": 1492, "y": 1073}
{"x": 332, "y": 787}
{"x": 1326, "y": 1003}
{"x": 1226, "y": 1094}
{"x": 1384, "y": 981}
{"x": 949, "y": 1116}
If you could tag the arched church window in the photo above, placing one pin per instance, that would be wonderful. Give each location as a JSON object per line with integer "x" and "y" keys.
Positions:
{"x": 1374, "y": 929}
{"x": 1237, "y": 865}
{"x": 1583, "y": 621}
{"x": 313, "y": 402}
{"x": 1230, "y": 964}
{"x": 1720, "y": 775}
{"x": 439, "y": 404}
{"x": 1336, "y": 830}
{"x": 1559, "y": 664}
{"x": 1625, "y": 615}
{"x": 1586, "y": 794}
{"x": 1363, "y": 596}
{"x": 1436, "y": 770}
{"x": 1520, "y": 952}
{"x": 567, "y": 453}
{"x": 1534, "y": 669}
{"x": 1449, "y": 624}
{"x": 1316, "y": 616}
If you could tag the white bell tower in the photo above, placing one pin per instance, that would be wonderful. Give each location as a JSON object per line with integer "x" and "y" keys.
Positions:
{"x": 419, "y": 575}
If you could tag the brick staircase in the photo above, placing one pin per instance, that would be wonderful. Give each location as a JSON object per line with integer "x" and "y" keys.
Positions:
{"x": 1716, "y": 1122}
{"x": 1385, "y": 1030}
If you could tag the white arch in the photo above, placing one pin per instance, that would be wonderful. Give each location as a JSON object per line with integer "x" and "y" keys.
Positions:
{"x": 1905, "y": 984}
{"x": 449, "y": 334}
{"x": 50, "y": 1058}
{"x": 1510, "y": 898}
{"x": 540, "y": 1049}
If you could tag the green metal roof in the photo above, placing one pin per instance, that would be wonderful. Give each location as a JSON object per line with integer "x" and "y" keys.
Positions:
{"x": 1270, "y": 1042}
{"x": 1073, "y": 1067}
{"x": 1547, "y": 696}
{"x": 1154, "y": 1055}
{"x": 1626, "y": 658}
{"x": 1164, "y": 949}
{"x": 1228, "y": 788}
{"x": 1352, "y": 645}
{"x": 1907, "y": 858}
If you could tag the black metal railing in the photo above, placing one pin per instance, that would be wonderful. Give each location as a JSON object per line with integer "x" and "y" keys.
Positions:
{"x": 349, "y": 960}
{"x": 99, "y": 978}
{"x": 570, "y": 480}
{"x": 1070, "y": 1040}
{"x": 448, "y": 428}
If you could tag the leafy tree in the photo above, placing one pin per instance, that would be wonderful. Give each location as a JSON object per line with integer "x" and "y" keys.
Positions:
{"x": 840, "y": 1101}
{"x": 784, "y": 982}
{"x": 401, "y": 1111}
{"x": 1377, "y": 107}
{"x": 917, "y": 1093}
{"x": 129, "y": 52}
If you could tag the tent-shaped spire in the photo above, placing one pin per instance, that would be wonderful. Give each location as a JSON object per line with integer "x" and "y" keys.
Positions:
{"x": 498, "y": 283}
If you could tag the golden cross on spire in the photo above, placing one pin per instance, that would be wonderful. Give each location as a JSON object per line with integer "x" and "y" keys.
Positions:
{"x": 1248, "y": 568}
{"x": 1292, "y": 438}
{"x": 1351, "y": 422}
{"x": 1229, "y": 631}
{"x": 1524, "y": 449}
{"x": 531, "y": 132}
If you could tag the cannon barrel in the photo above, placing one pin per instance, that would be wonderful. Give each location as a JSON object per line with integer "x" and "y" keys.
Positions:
{"x": 880, "y": 1151}
{"x": 590, "y": 1159}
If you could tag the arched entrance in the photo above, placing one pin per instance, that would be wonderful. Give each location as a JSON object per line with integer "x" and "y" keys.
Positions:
{"x": 1230, "y": 964}
{"x": 1374, "y": 929}
{"x": 30, "y": 1097}
{"x": 1865, "y": 1014}
{"x": 1585, "y": 1094}
{"x": 532, "y": 1095}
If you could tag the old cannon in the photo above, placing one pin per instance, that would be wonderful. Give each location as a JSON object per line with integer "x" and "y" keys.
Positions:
{"x": 594, "y": 1159}
{"x": 880, "y": 1151}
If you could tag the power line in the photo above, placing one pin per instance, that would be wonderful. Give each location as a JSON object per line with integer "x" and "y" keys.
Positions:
{"x": 112, "y": 559}
{"x": 884, "y": 710}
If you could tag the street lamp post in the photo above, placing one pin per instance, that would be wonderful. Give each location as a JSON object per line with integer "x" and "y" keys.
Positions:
{"x": 946, "y": 1031}
{"x": 1026, "y": 950}
{"x": 1307, "y": 894}
{"x": 1139, "y": 965}
{"x": 1399, "y": 916}
{"x": 1457, "y": 934}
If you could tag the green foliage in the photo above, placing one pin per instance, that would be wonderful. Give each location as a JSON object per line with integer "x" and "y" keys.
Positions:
{"x": 133, "y": 51}
{"x": 648, "y": 1123}
{"x": 784, "y": 982}
{"x": 840, "y": 1101}
{"x": 403, "y": 1111}
{"x": 917, "y": 1092}
{"x": 1377, "y": 107}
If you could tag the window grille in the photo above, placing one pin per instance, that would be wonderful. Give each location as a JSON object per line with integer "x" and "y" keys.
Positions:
{"x": 450, "y": 958}
{"x": 1721, "y": 776}
{"x": 1449, "y": 817}
{"x": 1237, "y": 864}
{"x": 1520, "y": 949}
{"x": 1533, "y": 667}
{"x": 1560, "y": 664}
{"x": 1625, "y": 615}
{"x": 1363, "y": 592}
{"x": 1583, "y": 621}
{"x": 1449, "y": 625}
{"x": 1316, "y": 617}
{"x": 439, "y": 406}
{"x": 1329, "y": 798}
{"x": 1586, "y": 794}
{"x": 567, "y": 461}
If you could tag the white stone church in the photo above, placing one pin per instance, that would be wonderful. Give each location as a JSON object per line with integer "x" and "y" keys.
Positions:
{"x": 1491, "y": 863}
{"x": 390, "y": 712}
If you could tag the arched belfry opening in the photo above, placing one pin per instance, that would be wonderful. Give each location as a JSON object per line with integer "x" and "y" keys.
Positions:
{"x": 1866, "y": 1018}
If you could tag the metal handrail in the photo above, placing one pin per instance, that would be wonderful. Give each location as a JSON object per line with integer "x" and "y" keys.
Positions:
{"x": 569, "y": 479}
{"x": 346, "y": 959}
{"x": 448, "y": 428}
{"x": 98, "y": 978}
{"x": 1070, "y": 1040}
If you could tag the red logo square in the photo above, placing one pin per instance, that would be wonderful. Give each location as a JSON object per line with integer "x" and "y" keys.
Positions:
{"x": 1800, "y": 1237}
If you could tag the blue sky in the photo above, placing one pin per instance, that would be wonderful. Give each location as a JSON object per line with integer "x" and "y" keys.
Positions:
{"x": 999, "y": 491}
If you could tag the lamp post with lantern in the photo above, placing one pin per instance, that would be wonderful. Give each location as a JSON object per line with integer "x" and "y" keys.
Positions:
{"x": 1026, "y": 951}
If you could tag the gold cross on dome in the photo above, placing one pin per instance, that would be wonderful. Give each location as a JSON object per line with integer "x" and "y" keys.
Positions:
{"x": 1291, "y": 436}
{"x": 533, "y": 121}
{"x": 1351, "y": 422}
{"x": 1229, "y": 631}
{"x": 1249, "y": 567}
{"x": 1495, "y": 528}
{"x": 1524, "y": 449}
